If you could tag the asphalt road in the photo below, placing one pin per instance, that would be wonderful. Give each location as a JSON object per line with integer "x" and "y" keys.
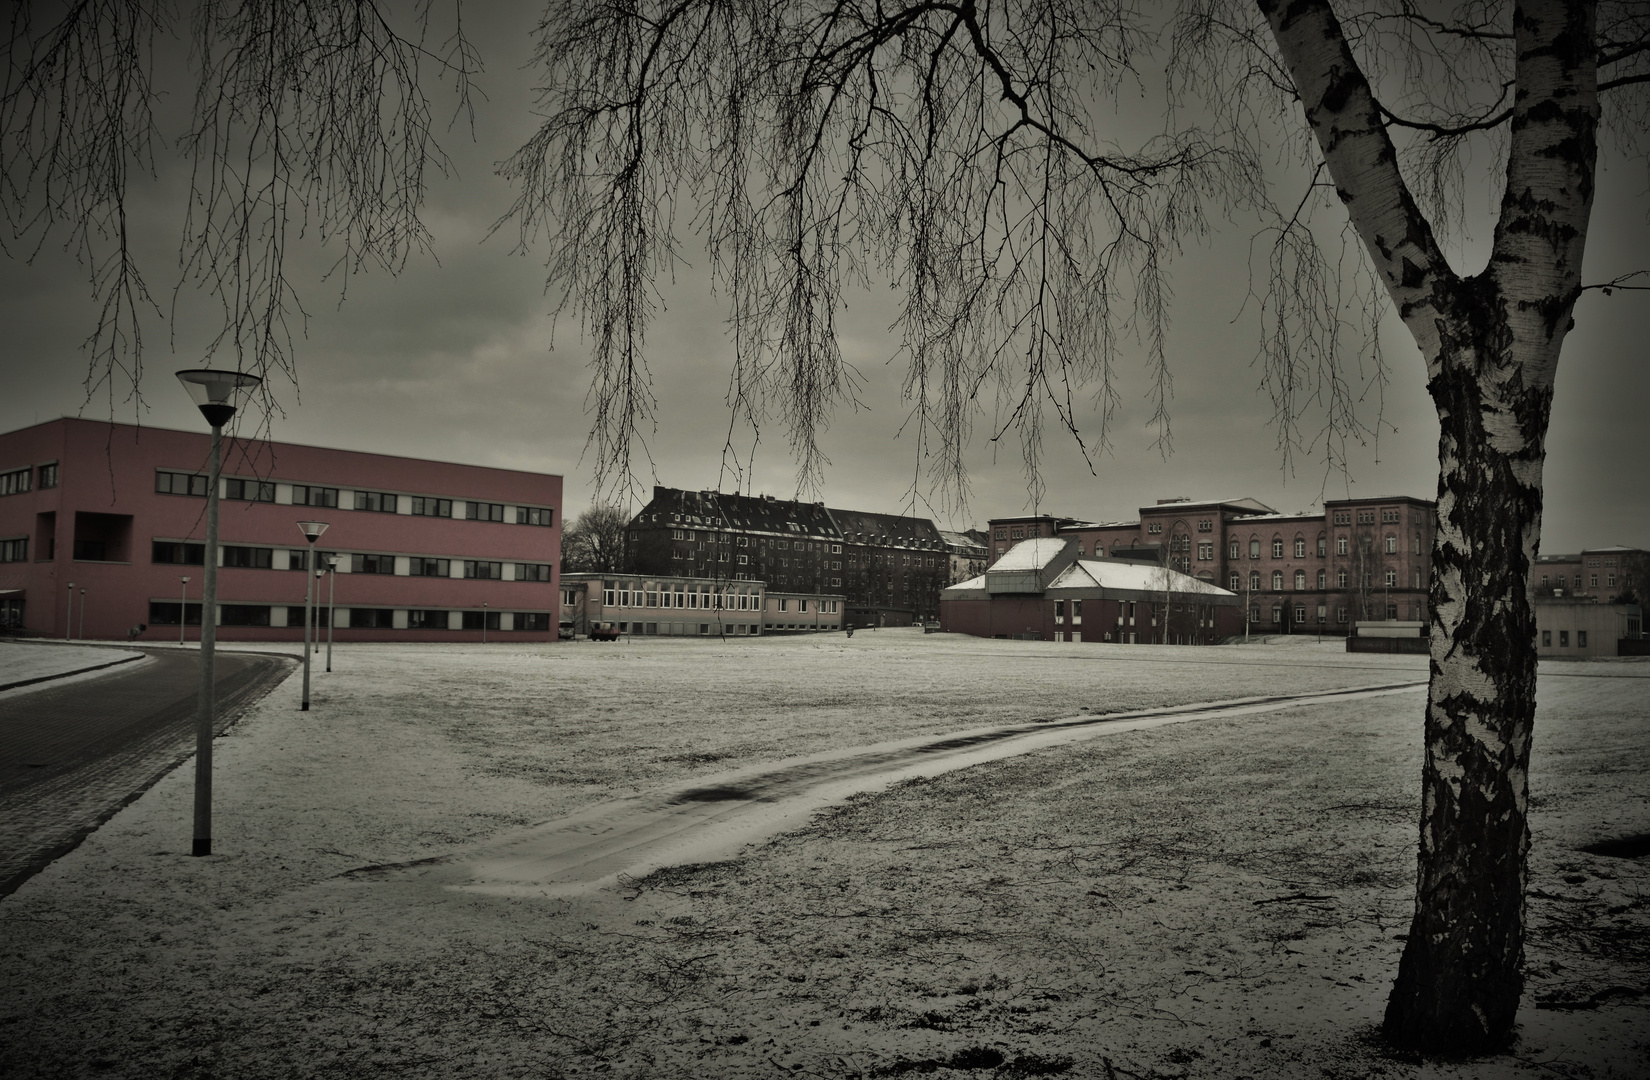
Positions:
{"x": 72, "y": 755}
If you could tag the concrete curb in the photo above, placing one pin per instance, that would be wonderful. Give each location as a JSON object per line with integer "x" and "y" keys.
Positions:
{"x": 65, "y": 674}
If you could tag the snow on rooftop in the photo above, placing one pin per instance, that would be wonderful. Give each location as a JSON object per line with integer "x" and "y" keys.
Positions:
{"x": 1033, "y": 554}
{"x": 1117, "y": 574}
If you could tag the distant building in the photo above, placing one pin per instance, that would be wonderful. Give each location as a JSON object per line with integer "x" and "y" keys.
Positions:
{"x": 662, "y": 605}
{"x": 889, "y": 567}
{"x": 1358, "y": 560}
{"x": 967, "y": 553}
{"x": 427, "y": 550}
{"x": 1042, "y": 589}
{"x": 1581, "y": 627}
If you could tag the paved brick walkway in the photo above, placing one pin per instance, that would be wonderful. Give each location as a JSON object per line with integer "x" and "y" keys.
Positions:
{"x": 73, "y": 755}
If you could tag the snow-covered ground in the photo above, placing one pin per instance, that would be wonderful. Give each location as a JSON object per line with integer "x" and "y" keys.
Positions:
{"x": 1215, "y": 898}
{"x": 20, "y": 661}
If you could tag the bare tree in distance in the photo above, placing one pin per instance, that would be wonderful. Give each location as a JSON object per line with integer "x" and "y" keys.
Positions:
{"x": 956, "y": 150}
{"x": 595, "y": 542}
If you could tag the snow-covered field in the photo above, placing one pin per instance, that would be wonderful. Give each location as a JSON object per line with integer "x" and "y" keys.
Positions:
{"x": 20, "y": 661}
{"x": 1216, "y": 898}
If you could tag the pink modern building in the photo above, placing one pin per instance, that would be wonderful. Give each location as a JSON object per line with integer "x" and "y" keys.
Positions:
{"x": 426, "y": 550}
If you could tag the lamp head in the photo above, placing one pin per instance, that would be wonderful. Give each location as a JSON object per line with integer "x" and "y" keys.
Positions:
{"x": 312, "y": 530}
{"x": 186, "y": 579}
{"x": 218, "y": 394}
{"x": 332, "y": 562}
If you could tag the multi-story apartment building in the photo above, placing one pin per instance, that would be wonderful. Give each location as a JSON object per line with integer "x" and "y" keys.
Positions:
{"x": 890, "y": 568}
{"x": 967, "y": 554}
{"x": 425, "y": 550}
{"x": 1357, "y": 560}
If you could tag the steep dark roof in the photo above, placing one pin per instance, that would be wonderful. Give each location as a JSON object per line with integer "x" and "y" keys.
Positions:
{"x": 889, "y": 530}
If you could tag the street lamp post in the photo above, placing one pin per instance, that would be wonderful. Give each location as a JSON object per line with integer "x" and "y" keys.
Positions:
{"x": 183, "y": 609}
{"x": 217, "y": 394}
{"x": 68, "y": 619}
{"x": 317, "y": 620}
{"x": 484, "y": 622}
{"x": 82, "y": 614}
{"x": 312, "y": 531}
{"x": 332, "y": 596}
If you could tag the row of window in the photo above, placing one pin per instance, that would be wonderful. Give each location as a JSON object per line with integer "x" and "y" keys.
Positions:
{"x": 20, "y": 481}
{"x": 691, "y": 597}
{"x": 261, "y": 558}
{"x": 14, "y": 550}
{"x": 1563, "y": 639}
{"x": 163, "y": 613}
{"x": 1592, "y": 581}
{"x": 383, "y": 502}
{"x": 1366, "y": 516}
{"x": 1235, "y": 583}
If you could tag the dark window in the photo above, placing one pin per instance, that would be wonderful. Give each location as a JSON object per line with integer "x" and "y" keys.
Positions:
{"x": 164, "y": 551}
{"x": 48, "y": 475}
{"x": 1564, "y": 639}
{"x": 533, "y": 515}
{"x": 162, "y": 613}
{"x": 1581, "y": 639}
{"x": 426, "y": 620}
{"x": 245, "y": 614}
{"x": 375, "y": 500}
{"x": 366, "y": 618}
{"x": 248, "y": 558}
{"x": 295, "y": 615}
{"x": 1546, "y": 639}
{"x": 472, "y": 620}
{"x": 14, "y": 550}
{"x": 177, "y": 483}
{"x": 532, "y": 620}
{"x": 16, "y": 482}
{"x": 298, "y": 558}
{"x": 481, "y": 511}
{"x": 91, "y": 551}
{"x": 532, "y": 571}
{"x": 372, "y": 564}
{"x": 249, "y": 491}
{"x": 424, "y": 507}
{"x": 475, "y": 568}
{"x": 308, "y": 495}
{"x": 421, "y": 567}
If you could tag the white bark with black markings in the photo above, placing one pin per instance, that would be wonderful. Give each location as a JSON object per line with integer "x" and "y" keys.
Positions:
{"x": 1491, "y": 343}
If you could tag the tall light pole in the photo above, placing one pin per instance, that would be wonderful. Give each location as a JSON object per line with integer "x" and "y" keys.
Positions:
{"x": 183, "y": 609}
{"x": 312, "y": 531}
{"x": 318, "y": 572}
{"x": 218, "y": 395}
{"x": 332, "y": 596}
{"x": 83, "y": 614}
{"x": 484, "y": 622}
{"x": 68, "y": 620}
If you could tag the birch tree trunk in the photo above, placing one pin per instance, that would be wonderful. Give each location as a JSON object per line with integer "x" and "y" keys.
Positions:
{"x": 1491, "y": 343}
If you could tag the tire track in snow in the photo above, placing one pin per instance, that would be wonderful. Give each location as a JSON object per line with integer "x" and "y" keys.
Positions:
{"x": 716, "y": 817}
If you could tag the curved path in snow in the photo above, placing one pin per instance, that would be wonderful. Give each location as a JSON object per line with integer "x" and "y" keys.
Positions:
{"x": 714, "y": 818}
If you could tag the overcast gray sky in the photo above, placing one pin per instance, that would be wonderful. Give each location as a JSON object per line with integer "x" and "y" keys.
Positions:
{"x": 452, "y": 360}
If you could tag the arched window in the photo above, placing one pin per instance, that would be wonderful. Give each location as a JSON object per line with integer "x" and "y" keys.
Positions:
{"x": 1079, "y": 549}
{"x": 1277, "y": 547}
{"x": 1323, "y": 546}
{"x": 1237, "y": 581}
{"x": 1254, "y": 549}
{"x": 1300, "y": 578}
{"x": 1300, "y": 548}
{"x": 1254, "y": 580}
{"x": 1277, "y": 581}
{"x": 1234, "y": 548}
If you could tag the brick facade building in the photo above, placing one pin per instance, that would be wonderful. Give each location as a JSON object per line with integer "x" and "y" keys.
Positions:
{"x": 1359, "y": 560}
{"x": 890, "y": 568}
{"x": 427, "y": 550}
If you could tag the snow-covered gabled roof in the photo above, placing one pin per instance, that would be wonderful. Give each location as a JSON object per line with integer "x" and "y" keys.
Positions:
{"x": 1033, "y": 554}
{"x": 1118, "y": 576}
